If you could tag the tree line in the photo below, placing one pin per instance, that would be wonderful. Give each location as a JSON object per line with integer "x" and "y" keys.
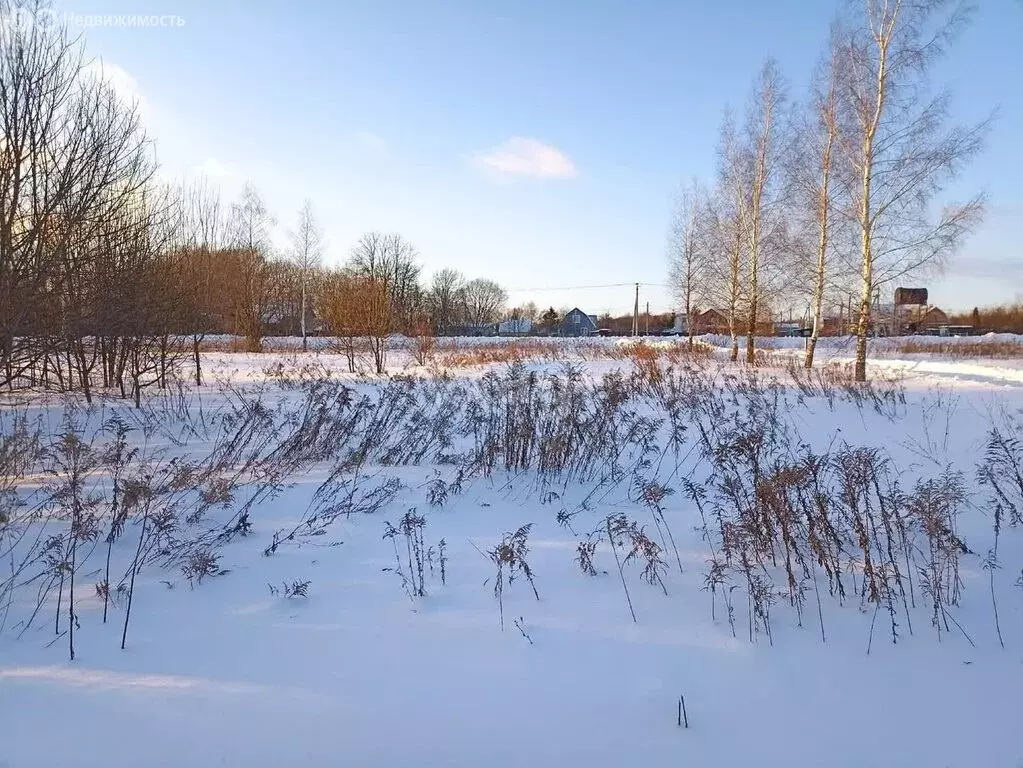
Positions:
{"x": 837, "y": 196}
{"x": 1007, "y": 318}
{"x": 111, "y": 277}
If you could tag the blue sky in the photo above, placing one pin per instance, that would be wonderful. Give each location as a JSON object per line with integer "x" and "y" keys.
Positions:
{"x": 535, "y": 142}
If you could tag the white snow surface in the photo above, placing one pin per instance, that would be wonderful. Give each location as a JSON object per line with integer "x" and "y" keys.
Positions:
{"x": 226, "y": 673}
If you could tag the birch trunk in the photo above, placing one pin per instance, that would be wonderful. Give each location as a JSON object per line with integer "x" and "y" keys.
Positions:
{"x": 823, "y": 213}
{"x": 865, "y": 210}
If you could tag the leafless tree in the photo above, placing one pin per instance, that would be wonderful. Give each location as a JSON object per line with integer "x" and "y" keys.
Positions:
{"x": 445, "y": 299}
{"x": 757, "y": 161}
{"x": 202, "y": 232}
{"x": 524, "y": 312}
{"x": 483, "y": 301}
{"x": 73, "y": 160}
{"x": 337, "y": 303}
{"x": 393, "y": 260}
{"x": 251, "y": 224}
{"x": 251, "y": 283}
{"x": 727, "y": 232}
{"x": 895, "y": 134}
{"x": 355, "y": 310}
{"x": 688, "y": 262}
{"x": 817, "y": 183}
{"x": 203, "y": 214}
{"x": 141, "y": 344}
{"x": 307, "y": 253}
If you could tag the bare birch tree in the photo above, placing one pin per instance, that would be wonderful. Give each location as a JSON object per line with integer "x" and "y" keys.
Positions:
{"x": 897, "y": 139}
{"x": 688, "y": 253}
{"x": 251, "y": 281}
{"x": 816, "y": 183}
{"x": 728, "y": 232}
{"x": 307, "y": 253}
{"x": 755, "y": 182}
{"x": 251, "y": 223}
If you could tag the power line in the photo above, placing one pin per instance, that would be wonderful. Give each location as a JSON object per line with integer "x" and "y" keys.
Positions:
{"x": 571, "y": 287}
{"x": 586, "y": 287}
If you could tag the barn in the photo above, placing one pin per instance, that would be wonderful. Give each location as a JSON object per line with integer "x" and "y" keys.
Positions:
{"x": 577, "y": 323}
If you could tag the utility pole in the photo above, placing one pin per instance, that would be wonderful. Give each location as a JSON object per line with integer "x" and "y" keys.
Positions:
{"x": 648, "y": 318}
{"x": 635, "y": 314}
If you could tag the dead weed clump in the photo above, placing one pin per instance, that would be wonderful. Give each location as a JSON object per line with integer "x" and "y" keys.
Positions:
{"x": 463, "y": 354}
{"x": 510, "y": 558}
{"x": 781, "y": 519}
{"x": 835, "y": 382}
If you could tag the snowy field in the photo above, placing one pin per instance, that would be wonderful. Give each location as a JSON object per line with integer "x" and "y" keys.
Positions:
{"x": 520, "y": 563}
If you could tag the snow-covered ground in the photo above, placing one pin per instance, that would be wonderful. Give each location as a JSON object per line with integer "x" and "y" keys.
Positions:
{"x": 361, "y": 669}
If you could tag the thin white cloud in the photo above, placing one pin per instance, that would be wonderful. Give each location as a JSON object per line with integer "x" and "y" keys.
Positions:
{"x": 214, "y": 169}
{"x": 158, "y": 123}
{"x": 372, "y": 143}
{"x": 520, "y": 156}
{"x": 210, "y": 169}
